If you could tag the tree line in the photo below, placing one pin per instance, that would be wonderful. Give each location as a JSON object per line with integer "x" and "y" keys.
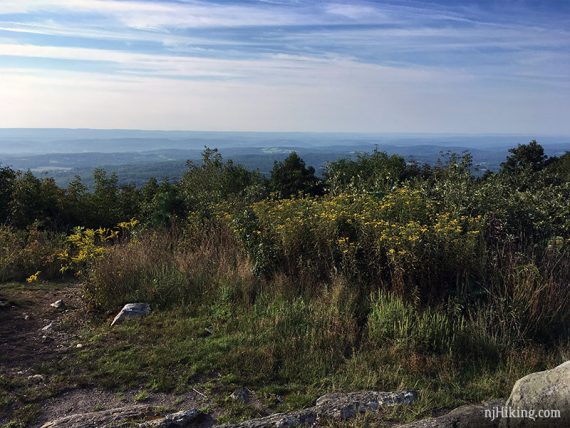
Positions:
{"x": 26, "y": 199}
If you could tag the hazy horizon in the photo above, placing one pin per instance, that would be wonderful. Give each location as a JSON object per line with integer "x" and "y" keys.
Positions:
{"x": 70, "y": 140}
{"x": 253, "y": 131}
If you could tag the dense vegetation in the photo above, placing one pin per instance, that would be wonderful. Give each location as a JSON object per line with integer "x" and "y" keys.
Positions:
{"x": 382, "y": 274}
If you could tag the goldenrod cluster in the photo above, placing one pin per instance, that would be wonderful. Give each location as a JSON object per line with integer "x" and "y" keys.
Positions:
{"x": 86, "y": 245}
{"x": 403, "y": 226}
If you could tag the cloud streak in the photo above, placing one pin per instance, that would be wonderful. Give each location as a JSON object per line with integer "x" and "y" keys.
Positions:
{"x": 372, "y": 56}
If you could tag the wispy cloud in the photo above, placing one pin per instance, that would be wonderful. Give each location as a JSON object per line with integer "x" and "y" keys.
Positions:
{"x": 371, "y": 55}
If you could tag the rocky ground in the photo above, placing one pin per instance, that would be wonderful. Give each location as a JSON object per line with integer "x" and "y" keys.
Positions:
{"x": 35, "y": 335}
{"x": 41, "y": 327}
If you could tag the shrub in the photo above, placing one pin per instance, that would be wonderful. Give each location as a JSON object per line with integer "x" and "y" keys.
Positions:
{"x": 26, "y": 252}
{"x": 401, "y": 238}
{"x": 374, "y": 172}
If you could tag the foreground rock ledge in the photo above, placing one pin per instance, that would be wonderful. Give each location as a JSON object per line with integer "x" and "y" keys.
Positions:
{"x": 547, "y": 390}
{"x": 336, "y": 406}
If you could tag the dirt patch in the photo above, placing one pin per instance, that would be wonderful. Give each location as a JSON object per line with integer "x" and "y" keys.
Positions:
{"x": 29, "y": 349}
{"x": 87, "y": 400}
{"x": 25, "y": 346}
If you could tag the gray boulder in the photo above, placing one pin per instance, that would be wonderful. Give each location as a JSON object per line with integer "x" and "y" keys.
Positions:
{"x": 470, "y": 415}
{"x": 130, "y": 311}
{"x": 539, "y": 392}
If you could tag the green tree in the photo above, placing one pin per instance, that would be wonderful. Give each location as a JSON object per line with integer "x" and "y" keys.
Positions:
{"x": 162, "y": 203}
{"x": 149, "y": 190}
{"x": 105, "y": 199}
{"x": 76, "y": 203}
{"x": 7, "y": 178}
{"x": 129, "y": 202}
{"x": 215, "y": 180}
{"x": 529, "y": 157}
{"x": 36, "y": 200}
{"x": 291, "y": 176}
{"x": 375, "y": 172}
{"x": 561, "y": 166}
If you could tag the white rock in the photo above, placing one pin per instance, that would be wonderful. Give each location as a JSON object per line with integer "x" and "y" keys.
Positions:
{"x": 58, "y": 304}
{"x": 37, "y": 378}
{"x": 131, "y": 310}
{"x": 48, "y": 327}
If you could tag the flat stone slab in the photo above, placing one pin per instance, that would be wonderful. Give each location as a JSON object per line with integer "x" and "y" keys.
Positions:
{"x": 128, "y": 416}
{"x": 337, "y": 406}
{"x": 192, "y": 418}
{"x": 103, "y": 419}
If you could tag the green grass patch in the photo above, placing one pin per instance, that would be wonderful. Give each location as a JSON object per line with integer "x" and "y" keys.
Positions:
{"x": 170, "y": 352}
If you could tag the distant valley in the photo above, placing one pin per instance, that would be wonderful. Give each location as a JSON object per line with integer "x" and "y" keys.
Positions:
{"x": 138, "y": 155}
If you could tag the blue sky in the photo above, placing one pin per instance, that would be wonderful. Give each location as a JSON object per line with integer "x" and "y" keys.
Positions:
{"x": 490, "y": 66}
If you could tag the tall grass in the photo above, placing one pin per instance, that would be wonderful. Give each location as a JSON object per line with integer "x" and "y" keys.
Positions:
{"x": 166, "y": 268}
{"x": 528, "y": 297}
{"x": 521, "y": 296}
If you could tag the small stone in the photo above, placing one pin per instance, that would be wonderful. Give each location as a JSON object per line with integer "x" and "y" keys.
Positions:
{"x": 79, "y": 346}
{"x": 207, "y": 332}
{"x": 37, "y": 378}
{"x": 26, "y": 317}
{"x": 242, "y": 395}
{"x": 48, "y": 327}
{"x": 131, "y": 310}
{"x": 58, "y": 304}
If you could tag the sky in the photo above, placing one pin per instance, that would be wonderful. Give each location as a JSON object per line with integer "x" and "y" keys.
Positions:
{"x": 488, "y": 66}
